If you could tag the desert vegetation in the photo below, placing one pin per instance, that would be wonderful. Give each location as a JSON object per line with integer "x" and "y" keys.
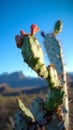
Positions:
{"x": 8, "y": 108}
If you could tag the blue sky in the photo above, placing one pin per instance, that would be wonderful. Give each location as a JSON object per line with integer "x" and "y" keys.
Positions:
{"x": 20, "y": 14}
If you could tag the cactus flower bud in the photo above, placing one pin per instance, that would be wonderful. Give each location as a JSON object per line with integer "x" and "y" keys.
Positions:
{"x": 34, "y": 29}
{"x": 22, "y": 33}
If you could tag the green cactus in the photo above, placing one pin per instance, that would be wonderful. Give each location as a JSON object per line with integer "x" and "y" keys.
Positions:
{"x": 54, "y": 99}
{"x": 55, "y": 55}
{"x": 33, "y": 56}
{"x": 26, "y": 112}
{"x": 32, "y": 52}
{"x": 58, "y": 27}
{"x": 52, "y": 79}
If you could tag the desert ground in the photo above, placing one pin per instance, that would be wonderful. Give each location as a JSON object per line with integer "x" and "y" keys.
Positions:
{"x": 8, "y": 107}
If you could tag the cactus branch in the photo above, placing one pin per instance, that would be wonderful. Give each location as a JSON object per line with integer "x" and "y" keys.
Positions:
{"x": 55, "y": 55}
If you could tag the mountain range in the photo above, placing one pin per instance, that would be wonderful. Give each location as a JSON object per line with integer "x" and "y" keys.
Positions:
{"x": 17, "y": 81}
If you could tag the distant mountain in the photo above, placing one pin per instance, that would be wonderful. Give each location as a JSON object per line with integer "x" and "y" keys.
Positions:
{"x": 16, "y": 83}
{"x": 18, "y": 79}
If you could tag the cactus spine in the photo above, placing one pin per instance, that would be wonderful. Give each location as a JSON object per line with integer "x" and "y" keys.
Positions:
{"x": 46, "y": 114}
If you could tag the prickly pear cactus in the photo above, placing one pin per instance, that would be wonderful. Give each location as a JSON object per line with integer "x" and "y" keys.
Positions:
{"x": 55, "y": 55}
{"x": 48, "y": 114}
{"x": 54, "y": 49}
{"x": 20, "y": 121}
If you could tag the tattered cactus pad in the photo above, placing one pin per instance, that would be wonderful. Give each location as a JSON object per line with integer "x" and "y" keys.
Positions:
{"x": 26, "y": 112}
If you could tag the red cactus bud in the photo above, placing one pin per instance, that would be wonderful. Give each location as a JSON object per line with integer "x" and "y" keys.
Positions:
{"x": 34, "y": 29}
{"x": 22, "y": 33}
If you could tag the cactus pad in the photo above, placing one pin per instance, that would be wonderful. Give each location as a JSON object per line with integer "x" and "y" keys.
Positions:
{"x": 32, "y": 52}
{"x": 54, "y": 99}
{"x": 26, "y": 112}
